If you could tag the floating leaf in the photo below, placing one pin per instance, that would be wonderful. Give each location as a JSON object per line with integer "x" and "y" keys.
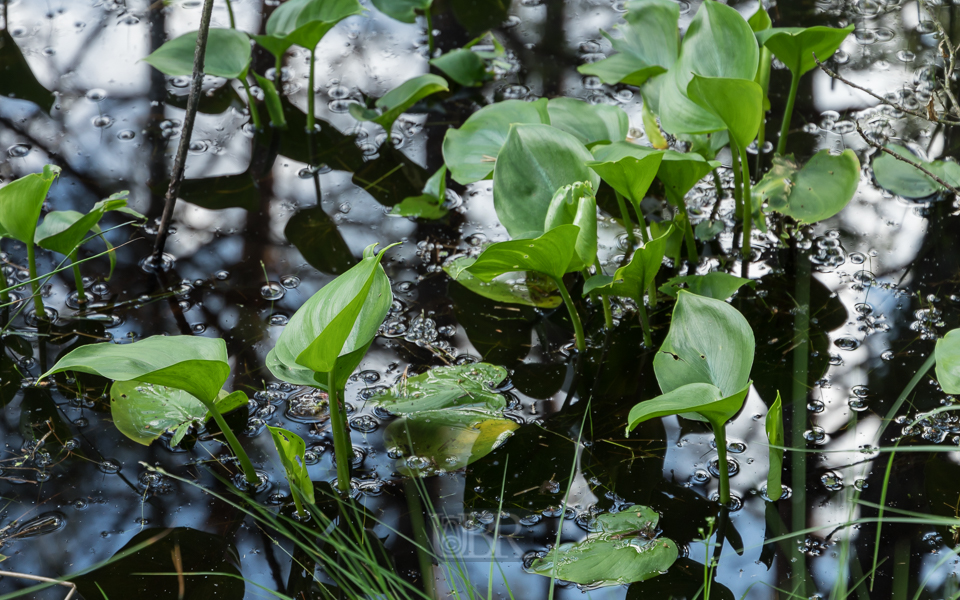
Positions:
{"x": 622, "y": 552}
{"x": 228, "y": 54}
{"x": 774, "y": 428}
{"x": 395, "y": 102}
{"x": 947, "y": 354}
{"x": 716, "y": 31}
{"x": 304, "y": 23}
{"x": 648, "y": 45}
{"x": 819, "y": 190}
{"x": 21, "y": 202}
{"x": 402, "y": 10}
{"x": 333, "y": 329}
{"x": 144, "y": 411}
{"x": 709, "y": 342}
{"x": 291, "y": 449}
{"x": 510, "y": 288}
{"x": 796, "y": 46}
{"x": 468, "y": 386}
{"x": 535, "y": 161}
{"x": 197, "y": 365}
{"x": 550, "y": 254}
{"x": 716, "y": 285}
{"x": 470, "y": 152}
{"x": 905, "y": 180}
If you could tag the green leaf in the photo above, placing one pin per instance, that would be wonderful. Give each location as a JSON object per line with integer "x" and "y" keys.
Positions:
{"x": 795, "y": 46}
{"x": 196, "y": 365}
{"x": 464, "y": 66}
{"x": 428, "y": 205}
{"x": 228, "y": 54}
{"x": 509, "y": 288}
{"x": 621, "y": 552}
{"x": 21, "y": 202}
{"x": 468, "y": 386}
{"x": 774, "y": 427}
{"x": 736, "y": 102}
{"x": 718, "y": 43}
{"x": 648, "y": 46}
{"x": 821, "y": 189}
{"x": 319, "y": 240}
{"x": 304, "y": 23}
{"x": 63, "y": 230}
{"x": 716, "y": 285}
{"x": 905, "y": 180}
{"x": 144, "y": 411}
{"x": 335, "y": 326}
{"x": 550, "y": 254}
{"x": 442, "y": 441}
{"x": 402, "y": 10}
{"x": 575, "y": 204}
{"x": 635, "y": 277}
{"x": 272, "y": 100}
{"x": 708, "y": 230}
{"x": 589, "y": 123}
{"x": 291, "y": 449}
{"x": 695, "y": 401}
{"x": 399, "y": 99}
{"x": 709, "y": 342}
{"x": 471, "y": 151}
{"x": 652, "y": 128}
{"x": 535, "y": 161}
{"x": 679, "y": 172}
{"x": 947, "y": 354}
{"x": 760, "y": 20}
{"x": 627, "y": 168}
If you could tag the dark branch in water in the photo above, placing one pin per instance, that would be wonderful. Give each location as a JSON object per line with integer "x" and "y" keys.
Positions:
{"x": 918, "y": 114}
{"x": 193, "y": 101}
{"x": 915, "y": 165}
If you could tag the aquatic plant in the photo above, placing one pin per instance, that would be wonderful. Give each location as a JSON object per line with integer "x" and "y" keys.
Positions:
{"x": 327, "y": 338}
{"x": 291, "y": 449}
{"x": 395, "y": 102}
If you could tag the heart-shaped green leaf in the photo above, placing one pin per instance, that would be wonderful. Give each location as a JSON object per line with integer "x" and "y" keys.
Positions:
{"x": 399, "y": 99}
{"x": 709, "y": 342}
{"x": 796, "y": 46}
{"x": 736, "y": 102}
{"x": 718, "y": 43}
{"x": 464, "y": 66}
{"x": 819, "y": 190}
{"x": 228, "y": 54}
{"x": 535, "y": 161}
{"x": 291, "y": 449}
{"x": 589, "y": 123}
{"x": 648, "y": 45}
{"x": 21, "y": 202}
{"x": 402, "y": 10}
{"x": 627, "y": 168}
{"x": 622, "y": 552}
{"x": 471, "y": 151}
{"x": 632, "y": 279}
{"x": 947, "y": 354}
{"x": 334, "y": 328}
{"x": 679, "y": 172}
{"x": 304, "y": 23}
{"x": 717, "y": 285}
{"x": 509, "y": 288}
{"x": 695, "y": 401}
{"x": 196, "y": 365}
{"x": 550, "y": 254}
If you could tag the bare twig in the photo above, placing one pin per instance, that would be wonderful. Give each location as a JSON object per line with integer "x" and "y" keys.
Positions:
{"x": 883, "y": 100}
{"x": 193, "y": 102}
{"x": 949, "y": 53}
{"x": 915, "y": 165}
{"x": 68, "y": 584}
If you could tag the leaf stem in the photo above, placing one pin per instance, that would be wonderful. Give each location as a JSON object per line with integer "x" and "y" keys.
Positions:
{"x": 691, "y": 241}
{"x": 249, "y": 472}
{"x": 311, "y": 118}
{"x": 627, "y": 222}
{"x": 763, "y": 78}
{"x": 254, "y": 114}
{"x": 605, "y": 298}
{"x": 747, "y": 215}
{"x": 720, "y": 433}
{"x": 233, "y": 21}
{"x": 35, "y": 281}
{"x": 4, "y": 288}
{"x": 430, "y": 41}
{"x": 788, "y": 113}
{"x": 644, "y": 322}
{"x": 342, "y": 448}
{"x": 577, "y": 325}
{"x": 78, "y": 279}
{"x": 737, "y": 183}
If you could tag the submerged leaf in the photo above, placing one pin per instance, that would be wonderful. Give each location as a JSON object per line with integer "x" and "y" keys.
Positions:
{"x": 468, "y": 386}
{"x": 144, "y": 411}
{"x": 905, "y": 180}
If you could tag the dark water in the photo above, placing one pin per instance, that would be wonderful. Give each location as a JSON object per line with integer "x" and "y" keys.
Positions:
{"x": 255, "y": 240}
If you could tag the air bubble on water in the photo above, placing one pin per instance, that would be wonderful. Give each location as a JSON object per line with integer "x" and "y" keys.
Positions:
{"x": 278, "y": 319}
{"x": 815, "y": 434}
{"x": 18, "y": 150}
{"x": 102, "y": 121}
{"x": 272, "y": 291}
{"x": 832, "y": 481}
{"x": 364, "y": 424}
{"x": 109, "y": 466}
{"x": 847, "y": 343}
{"x": 290, "y": 281}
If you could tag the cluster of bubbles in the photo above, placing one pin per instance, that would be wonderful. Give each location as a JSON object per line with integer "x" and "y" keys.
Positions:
{"x": 934, "y": 427}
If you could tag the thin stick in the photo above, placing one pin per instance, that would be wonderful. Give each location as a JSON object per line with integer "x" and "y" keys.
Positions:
{"x": 68, "y": 584}
{"x": 883, "y": 100}
{"x": 193, "y": 101}
{"x": 915, "y": 165}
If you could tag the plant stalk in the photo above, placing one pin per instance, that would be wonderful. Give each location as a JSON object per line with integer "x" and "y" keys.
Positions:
{"x": 605, "y": 298}
{"x": 763, "y": 78}
{"x": 691, "y": 241}
{"x": 720, "y": 433}
{"x": 342, "y": 448}
{"x": 193, "y": 102}
{"x": 430, "y": 42}
{"x": 644, "y": 322}
{"x": 788, "y": 113}
{"x": 4, "y": 285}
{"x": 34, "y": 281}
{"x": 248, "y": 471}
{"x": 233, "y": 21}
{"x": 577, "y": 325}
{"x": 254, "y": 115}
{"x": 798, "y": 460}
{"x": 311, "y": 100}
{"x": 627, "y": 222}
{"x": 78, "y": 279}
{"x": 737, "y": 183}
{"x": 747, "y": 215}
